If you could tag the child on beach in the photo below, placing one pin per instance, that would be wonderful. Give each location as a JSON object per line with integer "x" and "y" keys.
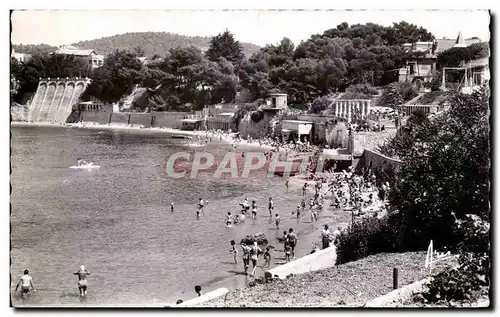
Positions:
{"x": 267, "y": 257}
{"x": 236, "y": 219}
{"x": 277, "y": 221}
{"x": 234, "y": 251}
{"x": 288, "y": 252}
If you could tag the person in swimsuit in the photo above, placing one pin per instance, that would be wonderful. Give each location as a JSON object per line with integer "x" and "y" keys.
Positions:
{"x": 267, "y": 257}
{"x": 234, "y": 251}
{"x": 271, "y": 206}
{"x": 288, "y": 251}
{"x": 172, "y": 207}
{"x": 285, "y": 239}
{"x": 201, "y": 204}
{"x": 298, "y": 212}
{"x": 82, "y": 280}
{"x": 246, "y": 256}
{"x": 197, "y": 214}
{"x": 255, "y": 251}
{"x": 292, "y": 241}
{"x": 236, "y": 219}
{"x": 254, "y": 209}
{"x": 242, "y": 216}
{"x": 277, "y": 221}
{"x": 229, "y": 219}
{"x": 26, "y": 281}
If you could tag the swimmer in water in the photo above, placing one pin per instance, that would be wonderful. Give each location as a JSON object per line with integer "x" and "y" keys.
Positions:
{"x": 254, "y": 210}
{"x": 246, "y": 256}
{"x": 242, "y": 216}
{"x": 229, "y": 219}
{"x": 234, "y": 251}
{"x": 277, "y": 221}
{"x": 80, "y": 162}
{"x": 172, "y": 207}
{"x": 82, "y": 280}
{"x": 26, "y": 281}
{"x": 197, "y": 214}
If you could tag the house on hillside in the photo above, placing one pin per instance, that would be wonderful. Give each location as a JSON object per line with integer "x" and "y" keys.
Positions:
{"x": 90, "y": 57}
{"x": 420, "y": 70}
{"x": 20, "y": 57}
{"x": 477, "y": 73}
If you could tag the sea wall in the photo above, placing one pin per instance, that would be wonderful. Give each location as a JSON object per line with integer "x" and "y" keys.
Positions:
{"x": 203, "y": 298}
{"x": 319, "y": 260}
{"x": 165, "y": 119}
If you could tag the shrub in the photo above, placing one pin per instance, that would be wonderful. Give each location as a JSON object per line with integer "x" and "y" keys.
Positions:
{"x": 359, "y": 91}
{"x": 463, "y": 282}
{"x": 368, "y": 236}
{"x": 256, "y": 116}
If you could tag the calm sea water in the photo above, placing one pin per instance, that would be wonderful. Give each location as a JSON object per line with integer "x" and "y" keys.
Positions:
{"x": 116, "y": 220}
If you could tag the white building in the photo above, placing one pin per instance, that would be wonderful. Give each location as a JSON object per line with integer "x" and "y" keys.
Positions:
{"x": 89, "y": 56}
{"x": 20, "y": 57}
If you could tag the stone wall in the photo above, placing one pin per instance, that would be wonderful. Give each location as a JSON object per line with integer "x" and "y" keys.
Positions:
{"x": 378, "y": 160}
{"x": 147, "y": 120}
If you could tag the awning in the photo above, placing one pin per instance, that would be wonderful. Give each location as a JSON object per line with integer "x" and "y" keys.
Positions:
{"x": 190, "y": 120}
{"x": 305, "y": 128}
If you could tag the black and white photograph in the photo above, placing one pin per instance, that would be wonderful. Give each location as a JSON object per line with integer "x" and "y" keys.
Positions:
{"x": 260, "y": 158}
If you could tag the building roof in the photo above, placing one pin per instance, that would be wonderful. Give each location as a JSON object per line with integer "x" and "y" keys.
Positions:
{"x": 226, "y": 114}
{"x": 445, "y": 44}
{"x": 190, "y": 120}
{"x": 297, "y": 121}
{"x": 71, "y": 50}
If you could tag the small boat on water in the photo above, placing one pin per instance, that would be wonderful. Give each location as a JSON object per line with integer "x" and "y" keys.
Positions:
{"x": 180, "y": 136}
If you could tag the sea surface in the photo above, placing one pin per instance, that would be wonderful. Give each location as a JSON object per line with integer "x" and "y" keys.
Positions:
{"x": 116, "y": 220}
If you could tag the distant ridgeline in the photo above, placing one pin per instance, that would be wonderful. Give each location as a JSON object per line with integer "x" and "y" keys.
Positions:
{"x": 150, "y": 42}
{"x": 54, "y": 99}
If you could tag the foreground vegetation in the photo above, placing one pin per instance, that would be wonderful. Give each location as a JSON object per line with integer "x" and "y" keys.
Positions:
{"x": 441, "y": 193}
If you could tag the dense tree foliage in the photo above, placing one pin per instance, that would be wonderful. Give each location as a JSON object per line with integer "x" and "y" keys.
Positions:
{"x": 343, "y": 56}
{"x": 445, "y": 172}
{"x": 225, "y": 46}
{"x": 34, "y": 48}
{"x": 443, "y": 181}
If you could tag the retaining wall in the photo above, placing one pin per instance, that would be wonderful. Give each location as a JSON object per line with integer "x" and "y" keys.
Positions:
{"x": 319, "y": 260}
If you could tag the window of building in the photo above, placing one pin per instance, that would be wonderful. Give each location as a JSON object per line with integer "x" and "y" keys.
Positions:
{"x": 90, "y": 62}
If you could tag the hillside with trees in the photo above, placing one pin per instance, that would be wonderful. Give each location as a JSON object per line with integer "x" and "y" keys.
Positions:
{"x": 189, "y": 77}
{"x": 153, "y": 43}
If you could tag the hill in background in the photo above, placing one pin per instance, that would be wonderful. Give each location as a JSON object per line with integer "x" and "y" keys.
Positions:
{"x": 151, "y": 42}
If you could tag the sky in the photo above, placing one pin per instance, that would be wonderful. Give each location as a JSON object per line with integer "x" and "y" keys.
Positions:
{"x": 59, "y": 27}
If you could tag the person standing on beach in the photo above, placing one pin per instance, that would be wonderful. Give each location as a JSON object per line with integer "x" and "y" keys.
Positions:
{"x": 292, "y": 241}
{"x": 304, "y": 188}
{"x": 287, "y": 184}
{"x": 271, "y": 206}
{"x": 303, "y": 204}
{"x": 26, "y": 281}
{"x": 325, "y": 237}
{"x": 298, "y": 212}
{"x": 82, "y": 280}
